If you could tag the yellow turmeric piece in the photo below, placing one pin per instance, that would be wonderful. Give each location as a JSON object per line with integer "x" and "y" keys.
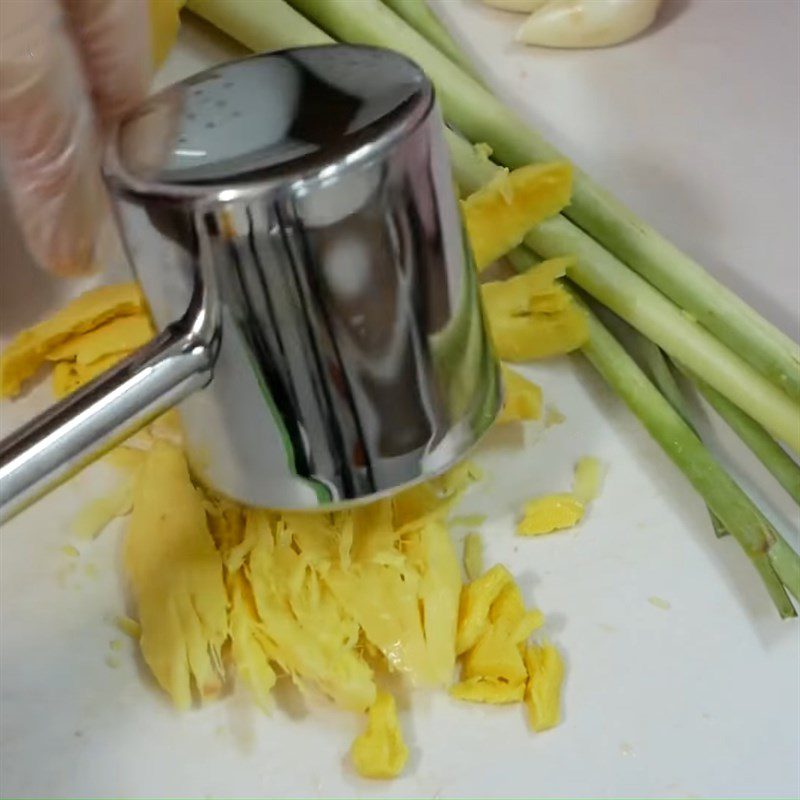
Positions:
{"x": 28, "y": 351}
{"x": 492, "y": 668}
{"x": 499, "y": 214}
{"x": 164, "y": 25}
{"x": 549, "y": 513}
{"x": 543, "y": 692}
{"x": 520, "y": 328}
{"x": 176, "y": 575}
{"x": 116, "y": 336}
{"x": 523, "y": 398}
{"x": 380, "y": 751}
{"x": 473, "y": 555}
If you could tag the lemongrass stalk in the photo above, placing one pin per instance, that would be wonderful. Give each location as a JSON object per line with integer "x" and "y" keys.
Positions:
{"x": 777, "y": 563}
{"x": 660, "y": 372}
{"x": 481, "y": 117}
{"x": 629, "y": 296}
{"x": 260, "y": 24}
{"x": 417, "y": 14}
{"x": 775, "y": 588}
{"x": 522, "y": 258}
{"x": 782, "y": 466}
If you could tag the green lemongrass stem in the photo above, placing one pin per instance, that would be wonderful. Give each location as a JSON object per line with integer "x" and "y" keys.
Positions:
{"x": 661, "y": 374}
{"x": 775, "y": 588}
{"x": 629, "y": 296}
{"x": 481, "y": 117}
{"x": 777, "y": 563}
{"x": 417, "y": 14}
{"x": 260, "y": 24}
{"x": 779, "y": 463}
{"x": 522, "y": 258}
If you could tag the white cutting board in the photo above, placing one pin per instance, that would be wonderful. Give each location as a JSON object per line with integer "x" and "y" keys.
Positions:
{"x": 695, "y": 125}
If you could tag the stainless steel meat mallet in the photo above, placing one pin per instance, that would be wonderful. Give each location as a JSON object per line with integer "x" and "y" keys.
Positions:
{"x": 292, "y": 221}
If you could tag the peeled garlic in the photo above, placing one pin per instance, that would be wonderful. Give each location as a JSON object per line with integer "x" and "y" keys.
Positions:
{"x": 587, "y": 23}
{"x": 520, "y": 6}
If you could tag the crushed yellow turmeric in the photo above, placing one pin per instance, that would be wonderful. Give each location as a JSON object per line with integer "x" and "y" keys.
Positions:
{"x": 327, "y": 599}
{"x": 531, "y": 316}
{"x": 499, "y": 215}
{"x": 380, "y": 751}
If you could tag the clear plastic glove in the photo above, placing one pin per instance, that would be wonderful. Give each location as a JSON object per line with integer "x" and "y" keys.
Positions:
{"x": 68, "y": 70}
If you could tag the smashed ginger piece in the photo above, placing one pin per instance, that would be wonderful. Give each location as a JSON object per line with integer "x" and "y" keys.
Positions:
{"x": 557, "y": 512}
{"x": 68, "y": 376}
{"x": 553, "y": 512}
{"x": 588, "y": 479}
{"x": 119, "y": 335}
{"x": 93, "y": 518}
{"x": 512, "y": 297}
{"x": 523, "y": 398}
{"x": 98, "y": 513}
{"x": 543, "y": 693}
{"x": 476, "y": 600}
{"x": 521, "y": 326}
{"x": 80, "y": 359}
{"x": 509, "y": 617}
{"x": 494, "y": 691}
{"x": 493, "y": 669}
{"x": 553, "y": 417}
{"x": 497, "y": 654}
{"x": 130, "y": 627}
{"x": 494, "y": 657}
{"x": 499, "y": 214}
{"x": 473, "y": 555}
{"x": 177, "y": 579}
{"x": 380, "y": 751}
{"x": 309, "y": 633}
{"x": 431, "y": 552}
{"x": 28, "y": 351}
{"x": 249, "y": 646}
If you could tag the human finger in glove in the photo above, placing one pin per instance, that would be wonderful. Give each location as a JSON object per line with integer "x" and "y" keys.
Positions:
{"x": 68, "y": 70}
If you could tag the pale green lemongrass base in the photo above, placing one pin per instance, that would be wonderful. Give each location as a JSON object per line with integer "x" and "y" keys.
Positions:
{"x": 417, "y": 14}
{"x": 260, "y": 24}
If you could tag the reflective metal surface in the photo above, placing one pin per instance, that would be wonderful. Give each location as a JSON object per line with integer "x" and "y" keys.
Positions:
{"x": 312, "y": 187}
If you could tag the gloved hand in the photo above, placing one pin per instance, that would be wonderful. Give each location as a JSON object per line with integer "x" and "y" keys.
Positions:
{"x": 68, "y": 70}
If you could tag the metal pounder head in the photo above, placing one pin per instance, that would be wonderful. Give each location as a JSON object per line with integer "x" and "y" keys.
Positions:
{"x": 291, "y": 218}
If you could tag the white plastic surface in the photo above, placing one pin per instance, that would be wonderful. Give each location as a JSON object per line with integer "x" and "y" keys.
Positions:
{"x": 696, "y": 126}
